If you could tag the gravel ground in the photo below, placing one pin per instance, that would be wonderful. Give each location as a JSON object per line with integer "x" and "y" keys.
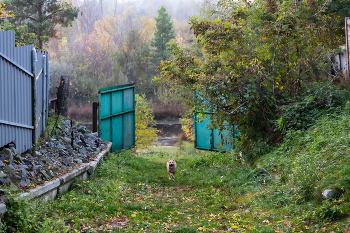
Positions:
{"x": 51, "y": 158}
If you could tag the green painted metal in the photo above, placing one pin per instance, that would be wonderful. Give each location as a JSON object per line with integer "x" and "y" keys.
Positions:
{"x": 116, "y": 118}
{"x": 213, "y": 139}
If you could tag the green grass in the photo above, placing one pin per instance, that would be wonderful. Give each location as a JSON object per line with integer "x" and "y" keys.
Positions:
{"x": 213, "y": 192}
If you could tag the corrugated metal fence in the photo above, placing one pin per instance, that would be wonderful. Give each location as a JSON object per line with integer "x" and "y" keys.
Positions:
{"x": 24, "y": 89}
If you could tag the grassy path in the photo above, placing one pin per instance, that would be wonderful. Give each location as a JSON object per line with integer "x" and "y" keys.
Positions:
{"x": 144, "y": 199}
{"x": 213, "y": 192}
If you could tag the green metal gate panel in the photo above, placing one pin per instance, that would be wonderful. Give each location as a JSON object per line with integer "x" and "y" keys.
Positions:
{"x": 212, "y": 139}
{"x": 117, "y": 116}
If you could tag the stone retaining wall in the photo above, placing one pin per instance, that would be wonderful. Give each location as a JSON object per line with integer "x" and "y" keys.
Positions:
{"x": 61, "y": 185}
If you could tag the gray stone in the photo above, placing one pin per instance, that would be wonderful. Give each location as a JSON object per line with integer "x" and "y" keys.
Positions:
{"x": 2, "y": 208}
{"x": 37, "y": 167}
{"x": 26, "y": 161}
{"x": 5, "y": 181}
{"x": 9, "y": 170}
{"x": 13, "y": 178}
{"x": 47, "y": 176}
{"x": 51, "y": 159}
{"x": 61, "y": 147}
{"x": 24, "y": 174}
{"x": 12, "y": 163}
{"x": 329, "y": 194}
{"x": 4, "y": 198}
{"x": 55, "y": 169}
{"x": 50, "y": 173}
{"x": 22, "y": 166}
{"x": 67, "y": 162}
{"x": 18, "y": 159}
{"x": 84, "y": 160}
{"x": 83, "y": 151}
{"x": 14, "y": 151}
{"x": 38, "y": 154}
{"x": 23, "y": 183}
{"x": 77, "y": 160}
{"x": 67, "y": 139}
{"x": 29, "y": 156}
{"x": 43, "y": 151}
{"x": 1, "y": 164}
{"x": 7, "y": 151}
{"x": 2, "y": 175}
{"x": 63, "y": 153}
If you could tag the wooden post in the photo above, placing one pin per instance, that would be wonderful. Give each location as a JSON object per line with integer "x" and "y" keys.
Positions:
{"x": 62, "y": 96}
{"x": 94, "y": 116}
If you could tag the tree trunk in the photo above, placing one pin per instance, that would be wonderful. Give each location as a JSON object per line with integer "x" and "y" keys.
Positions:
{"x": 40, "y": 43}
{"x": 40, "y": 14}
{"x": 62, "y": 96}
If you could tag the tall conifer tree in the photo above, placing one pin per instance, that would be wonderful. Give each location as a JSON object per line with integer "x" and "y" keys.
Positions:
{"x": 164, "y": 33}
{"x": 42, "y": 16}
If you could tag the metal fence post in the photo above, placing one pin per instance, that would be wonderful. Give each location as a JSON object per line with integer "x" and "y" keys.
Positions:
{"x": 43, "y": 108}
{"x": 47, "y": 85}
{"x": 33, "y": 95}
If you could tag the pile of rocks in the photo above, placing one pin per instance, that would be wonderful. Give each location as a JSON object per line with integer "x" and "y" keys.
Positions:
{"x": 52, "y": 158}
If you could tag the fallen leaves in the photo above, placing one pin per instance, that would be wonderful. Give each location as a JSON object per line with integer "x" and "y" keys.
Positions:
{"x": 117, "y": 223}
{"x": 266, "y": 221}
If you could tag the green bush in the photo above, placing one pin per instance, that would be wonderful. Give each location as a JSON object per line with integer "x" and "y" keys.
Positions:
{"x": 21, "y": 215}
{"x": 317, "y": 99}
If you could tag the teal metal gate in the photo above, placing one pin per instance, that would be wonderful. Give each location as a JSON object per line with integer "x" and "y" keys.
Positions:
{"x": 212, "y": 139}
{"x": 116, "y": 116}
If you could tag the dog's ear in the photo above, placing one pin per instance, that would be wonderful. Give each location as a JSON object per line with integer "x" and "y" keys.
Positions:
{"x": 168, "y": 160}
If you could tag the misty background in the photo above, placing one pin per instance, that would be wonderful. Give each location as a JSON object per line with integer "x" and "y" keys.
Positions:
{"x": 109, "y": 44}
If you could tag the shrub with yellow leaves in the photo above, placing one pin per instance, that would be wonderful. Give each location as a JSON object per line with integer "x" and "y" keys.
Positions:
{"x": 145, "y": 134}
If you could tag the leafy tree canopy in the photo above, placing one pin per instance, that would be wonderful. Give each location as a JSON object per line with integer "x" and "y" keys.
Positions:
{"x": 258, "y": 56}
{"x": 4, "y": 14}
{"x": 41, "y": 16}
{"x": 22, "y": 35}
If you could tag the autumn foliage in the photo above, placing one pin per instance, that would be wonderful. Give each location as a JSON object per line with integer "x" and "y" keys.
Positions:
{"x": 257, "y": 57}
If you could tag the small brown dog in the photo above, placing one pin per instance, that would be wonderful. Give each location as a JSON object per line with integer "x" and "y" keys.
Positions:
{"x": 171, "y": 168}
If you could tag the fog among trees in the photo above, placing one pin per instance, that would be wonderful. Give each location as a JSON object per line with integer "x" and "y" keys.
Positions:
{"x": 110, "y": 43}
